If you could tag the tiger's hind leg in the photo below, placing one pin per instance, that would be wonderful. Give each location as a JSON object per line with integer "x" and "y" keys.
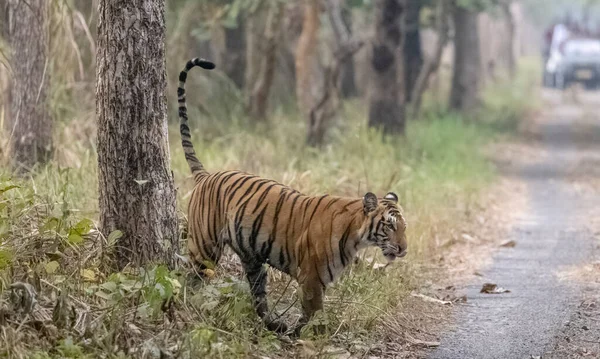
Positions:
{"x": 257, "y": 277}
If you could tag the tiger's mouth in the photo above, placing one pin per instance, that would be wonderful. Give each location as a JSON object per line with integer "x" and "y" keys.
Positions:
{"x": 391, "y": 254}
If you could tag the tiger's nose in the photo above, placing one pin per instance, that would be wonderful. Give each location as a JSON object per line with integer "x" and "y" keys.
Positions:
{"x": 403, "y": 252}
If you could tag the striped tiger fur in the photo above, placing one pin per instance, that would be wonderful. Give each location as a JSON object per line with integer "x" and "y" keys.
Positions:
{"x": 311, "y": 238}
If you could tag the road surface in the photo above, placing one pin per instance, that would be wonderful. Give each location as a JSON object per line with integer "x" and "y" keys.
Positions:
{"x": 542, "y": 315}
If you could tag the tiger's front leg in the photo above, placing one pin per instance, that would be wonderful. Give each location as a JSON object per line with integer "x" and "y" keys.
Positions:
{"x": 257, "y": 277}
{"x": 312, "y": 301}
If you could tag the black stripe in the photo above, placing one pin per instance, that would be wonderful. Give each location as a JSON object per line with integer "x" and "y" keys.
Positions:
{"x": 183, "y": 76}
{"x": 273, "y": 235}
{"x": 288, "y": 238}
{"x": 332, "y": 202}
{"x": 342, "y": 245}
{"x": 180, "y": 91}
{"x": 262, "y": 197}
{"x": 256, "y": 228}
{"x": 317, "y": 206}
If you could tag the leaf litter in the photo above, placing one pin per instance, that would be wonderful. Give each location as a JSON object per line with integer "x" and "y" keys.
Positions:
{"x": 491, "y": 288}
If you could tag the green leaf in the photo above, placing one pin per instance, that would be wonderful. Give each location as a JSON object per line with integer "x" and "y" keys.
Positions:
{"x": 75, "y": 238}
{"x": 106, "y": 296}
{"x": 50, "y": 225}
{"x": 84, "y": 226}
{"x": 114, "y": 236}
{"x": 51, "y": 267}
{"x": 109, "y": 286}
{"x": 208, "y": 264}
{"x": 8, "y": 188}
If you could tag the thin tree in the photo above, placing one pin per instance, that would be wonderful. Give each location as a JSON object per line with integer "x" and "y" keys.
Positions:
{"x": 511, "y": 61}
{"x": 317, "y": 83}
{"x": 136, "y": 191}
{"x": 261, "y": 85}
{"x": 464, "y": 94}
{"x": 432, "y": 64}
{"x": 26, "y": 29}
{"x": 386, "y": 107}
{"x": 412, "y": 51}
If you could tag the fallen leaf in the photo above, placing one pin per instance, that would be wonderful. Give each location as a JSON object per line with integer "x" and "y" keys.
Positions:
{"x": 468, "y": 238}
{"x": 424, "y": 343}
{"x": 478, "y": 274}
{"x": 430, "y": 299}
{"x": 88, "y": 275}
{"x": 491, "y": 288}
{"x": 209, "y": 273}
{"x": 51, "y": 267}
{"x": 509, "y": 244}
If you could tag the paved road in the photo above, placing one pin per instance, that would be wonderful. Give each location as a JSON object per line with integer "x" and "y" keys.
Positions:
{"x": 551, "y": 238}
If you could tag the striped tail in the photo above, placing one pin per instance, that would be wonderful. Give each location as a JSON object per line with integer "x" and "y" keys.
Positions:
{"x": 184, "y": 129}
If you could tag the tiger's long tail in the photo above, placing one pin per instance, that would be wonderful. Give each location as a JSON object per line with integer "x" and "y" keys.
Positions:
{"x": 184, "y": 129}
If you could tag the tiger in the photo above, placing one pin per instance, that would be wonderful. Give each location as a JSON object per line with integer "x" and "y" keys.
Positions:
{"x": 310, "y": 238}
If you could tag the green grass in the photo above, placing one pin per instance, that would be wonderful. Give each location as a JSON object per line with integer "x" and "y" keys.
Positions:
{"x": 437, "y": 169}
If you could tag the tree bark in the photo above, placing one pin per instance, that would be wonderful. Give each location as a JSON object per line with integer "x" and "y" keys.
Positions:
{"x": 413, "y": 54}
{"x": 136, "y": 191}
{"x": 258, "y": 100}
{"x": 30, "y": 125}
{"x": 234, "y": 57}
{"x": 464, "y": 95}
{"x": 305, "y": 54}
{"x": 347, "y": 83}
{"x": 510, "y": 38}
{"x": 432, "y": 64}
{"x": 386, "y": 107}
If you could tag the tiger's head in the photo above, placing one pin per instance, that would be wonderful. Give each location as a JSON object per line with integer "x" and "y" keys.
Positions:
{"x": 386, "y": 226}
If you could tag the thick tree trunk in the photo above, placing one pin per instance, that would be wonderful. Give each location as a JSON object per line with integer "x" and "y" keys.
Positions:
{"x": 510, "y": 38}
{"x": 258, "y": 100}
{"x": 464, "y": 95}
{"x": 386, "y": 107}
{"x": 413, "y": 54}
{"x": 136, "y": 193}
{"x": 432, "y": 64}
{"x": 30, "y": 125}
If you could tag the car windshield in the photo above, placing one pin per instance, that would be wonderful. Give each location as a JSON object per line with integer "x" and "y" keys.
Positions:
{"x": 582, "y": 48}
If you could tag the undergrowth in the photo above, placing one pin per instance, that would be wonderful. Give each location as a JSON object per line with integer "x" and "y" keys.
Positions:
{"x": 49, "y": 243}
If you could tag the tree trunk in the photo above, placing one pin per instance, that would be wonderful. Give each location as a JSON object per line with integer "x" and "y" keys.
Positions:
{"x": 305, "y": 54}
{"x": 255, "y": 29}
{"x": 510, "y": 38}
{"x": 464, "y": 95}
{"x": 413, "y": 54}
{"x": 234, "y": 57}
{"x": 347, "y": 82}
{"x": 432, "y": 64}
{"x": 386, "y": 107}
{"x": 136, "y": 191}
{"x": 31, "y": 125}
{"x": 258, "y": 100}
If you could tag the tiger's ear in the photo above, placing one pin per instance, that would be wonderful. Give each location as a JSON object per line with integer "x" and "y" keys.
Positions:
{"x": 392, "y": 197}
{"x": 369, "y": 202}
